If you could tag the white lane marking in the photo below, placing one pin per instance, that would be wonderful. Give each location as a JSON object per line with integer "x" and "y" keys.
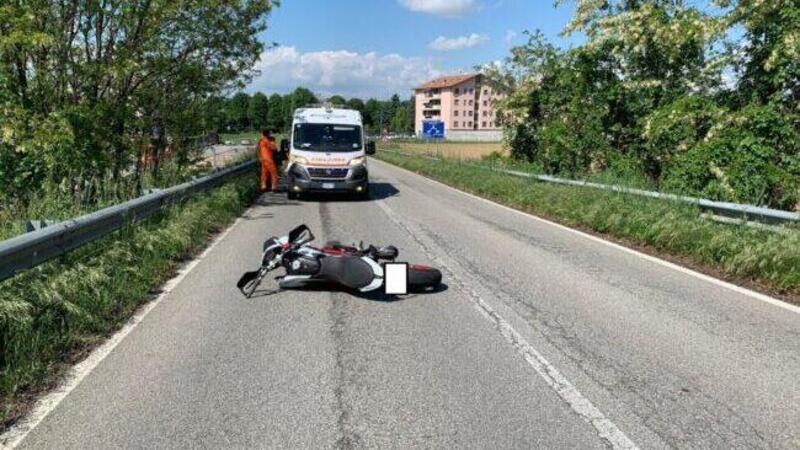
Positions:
{"x": 581, "y": 405}
{"x": 45, "y": 405}
{"x": 673, "y": 266}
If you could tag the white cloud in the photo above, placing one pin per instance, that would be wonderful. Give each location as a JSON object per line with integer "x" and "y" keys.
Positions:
{"x": 510, "y": 36}
{"x": 444, "y": 44}
{"x": 341, "y": 72}
{"x": 448, "y": 8}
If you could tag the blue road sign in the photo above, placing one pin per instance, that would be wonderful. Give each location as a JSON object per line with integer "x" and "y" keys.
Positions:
{"x": 433, "y": 129}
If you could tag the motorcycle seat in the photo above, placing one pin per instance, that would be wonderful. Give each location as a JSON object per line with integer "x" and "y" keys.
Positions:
{"x": 349, "y": 271}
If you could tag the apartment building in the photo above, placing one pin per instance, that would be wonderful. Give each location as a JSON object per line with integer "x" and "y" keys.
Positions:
{"x": 463, "y": 102}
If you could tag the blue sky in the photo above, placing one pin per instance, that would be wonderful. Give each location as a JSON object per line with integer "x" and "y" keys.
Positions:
{"x": 374, "y": 48}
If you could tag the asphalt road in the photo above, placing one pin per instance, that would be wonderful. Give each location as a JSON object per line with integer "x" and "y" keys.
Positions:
{"x": 543, "y": 338}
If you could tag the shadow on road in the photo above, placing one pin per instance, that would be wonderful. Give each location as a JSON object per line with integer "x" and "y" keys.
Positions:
{"x": 377, "y": 191}
{"x": 269, "y": 199}
{"x": 380, "y": 191}
{"x": 375, "y": 296}
{"x": 275, "y": 199}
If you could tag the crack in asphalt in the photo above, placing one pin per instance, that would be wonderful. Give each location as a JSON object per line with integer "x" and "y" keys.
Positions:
{"x": 618, "y": 378}
{"x": 338, "y": 313}
{"x": 610, "y": 375}
{"x": 606, "y": 430}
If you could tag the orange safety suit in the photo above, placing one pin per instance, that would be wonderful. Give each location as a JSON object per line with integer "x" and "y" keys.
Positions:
{"x": 269, "y": 171}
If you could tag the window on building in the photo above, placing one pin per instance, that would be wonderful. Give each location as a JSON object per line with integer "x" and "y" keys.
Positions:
{"x": 456, "y": 102}
{"x": 470, "y": 103}
{"x": 485, "y": 103}
{"x": 469, "y": 124}
{"x": 455, "y": 124}
{"x": 455, "y": 113}
{"x": 483, "y": 124}
{"x": 458, "y": 91}
{"x": 485, "y": 92}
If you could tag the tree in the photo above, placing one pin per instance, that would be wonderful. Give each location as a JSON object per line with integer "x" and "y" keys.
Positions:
{"x": 258, "y": 110}
{"x": 399, "y": 122}
{"x": 373, "y": 118}
{"x": 768, "y": 61}
{"x": 412, "y": 114}
{"x": 86, "y": 85}
{"x": 643, "y": 98}
{"x": 358, "y": 105}
{"x": 275, "y": 116}
{"x": 238, "y": 108}
{"x": 299, "y": 98}
{"x": 215, "y": 117}
{"x": 390, "y": 107}
{"x": 337, "y": 100}
{"x": 302, "y": 97}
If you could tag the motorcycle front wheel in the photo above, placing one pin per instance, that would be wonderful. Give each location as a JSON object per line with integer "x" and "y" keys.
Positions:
{"x": 422, "y": 278}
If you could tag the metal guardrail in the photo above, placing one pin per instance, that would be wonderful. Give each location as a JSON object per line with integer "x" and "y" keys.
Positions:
{"x": 734, "y": 210}
{"x": 31, "y": 249}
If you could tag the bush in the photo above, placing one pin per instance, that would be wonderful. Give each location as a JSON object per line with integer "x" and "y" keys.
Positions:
{"x": 674, "y": 128}
{"x": 573, "y": 144}
{"x": 521, "y": 142}
{"x": 748, "y": 156}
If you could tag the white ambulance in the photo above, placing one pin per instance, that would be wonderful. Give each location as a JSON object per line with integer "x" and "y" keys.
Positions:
{"x": 327, "y": 152}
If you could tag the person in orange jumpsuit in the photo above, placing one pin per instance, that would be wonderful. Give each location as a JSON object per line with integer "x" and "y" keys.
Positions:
{"x": 266, "y": 154}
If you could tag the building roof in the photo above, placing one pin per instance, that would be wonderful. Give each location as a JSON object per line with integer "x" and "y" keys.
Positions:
{"x": 446, "y": 81}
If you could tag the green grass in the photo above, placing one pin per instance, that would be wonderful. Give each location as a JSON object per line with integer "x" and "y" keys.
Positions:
{"x": 50, "y": 315}
{"x": 56, "y": 204}
{"x": 765, "y": 259}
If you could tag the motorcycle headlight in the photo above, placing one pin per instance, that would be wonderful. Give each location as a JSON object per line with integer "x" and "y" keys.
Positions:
{"x": 298, "y": 160}
{"x": 358, "y": 161}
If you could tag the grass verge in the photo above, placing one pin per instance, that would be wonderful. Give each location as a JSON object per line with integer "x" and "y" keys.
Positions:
{"x": 51, "y": 316}
{"x": 447, "y": 149}
{"x": 764, "y": 260}
{"x": 57, "y": 205}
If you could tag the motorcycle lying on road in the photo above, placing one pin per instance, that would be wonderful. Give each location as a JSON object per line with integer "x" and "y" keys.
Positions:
{"x": 356, "y": 268}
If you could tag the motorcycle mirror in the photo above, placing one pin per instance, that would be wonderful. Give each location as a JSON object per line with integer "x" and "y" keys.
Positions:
{"x": 301, "y": 235}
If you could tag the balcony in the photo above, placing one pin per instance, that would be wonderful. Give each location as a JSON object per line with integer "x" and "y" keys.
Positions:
{"x": 433, "y": 104}
{"x": 433, "y": 95}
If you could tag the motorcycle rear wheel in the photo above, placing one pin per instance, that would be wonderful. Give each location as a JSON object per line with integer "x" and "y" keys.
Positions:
{"x": 422, "y": 278}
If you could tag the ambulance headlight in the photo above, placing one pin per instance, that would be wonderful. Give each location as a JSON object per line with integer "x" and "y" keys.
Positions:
{"x": 359, "y": 161}
{"x": 298, "y": 160}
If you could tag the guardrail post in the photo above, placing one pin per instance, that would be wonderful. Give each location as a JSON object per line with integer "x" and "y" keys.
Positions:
{"x": 34, "y": 225}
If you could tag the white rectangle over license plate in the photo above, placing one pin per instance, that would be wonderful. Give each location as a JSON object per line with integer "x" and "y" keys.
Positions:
{"x": 327, "y": 185}
{"x": 396, "y": 278}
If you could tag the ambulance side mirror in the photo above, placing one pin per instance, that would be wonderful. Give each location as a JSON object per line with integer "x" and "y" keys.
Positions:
{"x": 370, "y": 147}
{"x": 284, "y": 146}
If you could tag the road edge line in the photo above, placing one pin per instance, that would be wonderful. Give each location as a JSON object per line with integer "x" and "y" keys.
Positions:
{"x": 685, "y": 270}
{"x": 607, "y": 430}
{"x": 77, "y": 373}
